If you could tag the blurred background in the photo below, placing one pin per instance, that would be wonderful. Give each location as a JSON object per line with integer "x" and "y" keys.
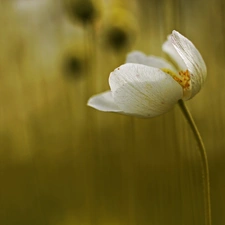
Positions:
{"x": 63, "y": 163}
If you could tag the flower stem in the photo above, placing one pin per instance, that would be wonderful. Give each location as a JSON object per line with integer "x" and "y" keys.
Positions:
{"x": 204, "y": 160}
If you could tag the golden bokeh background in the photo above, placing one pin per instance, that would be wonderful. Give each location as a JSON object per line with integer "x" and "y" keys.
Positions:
{"x": 63, "y": 163}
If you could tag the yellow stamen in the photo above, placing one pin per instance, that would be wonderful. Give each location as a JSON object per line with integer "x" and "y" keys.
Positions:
{"x": 183, "y": 77}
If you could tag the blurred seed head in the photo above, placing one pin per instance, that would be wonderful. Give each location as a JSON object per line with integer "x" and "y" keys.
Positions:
{"x": 117, "y": 37}
{"x": 119, "y": 30}
{"x": 83, "y": 11}
{"x": 72, "y": 66}
{"x": 74, "y": 61}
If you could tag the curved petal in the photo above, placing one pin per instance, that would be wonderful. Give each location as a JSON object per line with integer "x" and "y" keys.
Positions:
{"x": 153, "y": 61}
{"x": 144, "y": 91}
{"x": 104, "y": 102}
{"x": 169, "y": 49}
{"x": 192, "y": 59}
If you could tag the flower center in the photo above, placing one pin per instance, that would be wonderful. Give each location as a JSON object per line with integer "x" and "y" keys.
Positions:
{"x": 183, "y": 77}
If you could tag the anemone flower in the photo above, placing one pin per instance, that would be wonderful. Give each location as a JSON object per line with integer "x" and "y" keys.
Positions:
{"x": 148, "y": 86}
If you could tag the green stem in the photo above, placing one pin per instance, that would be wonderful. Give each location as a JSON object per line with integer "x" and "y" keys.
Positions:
{"x": 204, "y": 160}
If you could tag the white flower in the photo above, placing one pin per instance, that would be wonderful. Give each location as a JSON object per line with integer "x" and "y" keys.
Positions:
{"x": 149, "y": 86}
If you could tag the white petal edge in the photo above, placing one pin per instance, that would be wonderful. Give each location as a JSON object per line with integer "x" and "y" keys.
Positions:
{"x": 192, "y": 59}
{"x": 169, "y": 49}
{"x": 103, "y": 102}
{"x": 153, "y": 61}
{"x": 144, "y": 91}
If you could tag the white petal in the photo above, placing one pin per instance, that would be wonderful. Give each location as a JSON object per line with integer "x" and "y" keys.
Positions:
{"x": 144, "y": 91}
{"x": 192, "y": 59}
{"x": 103, "y": 102}
{"x": 153, "y": 61}
{"x": 169, "y": 49}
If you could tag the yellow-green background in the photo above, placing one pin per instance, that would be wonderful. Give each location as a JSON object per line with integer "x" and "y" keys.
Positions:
{"x": 63, "y": 163}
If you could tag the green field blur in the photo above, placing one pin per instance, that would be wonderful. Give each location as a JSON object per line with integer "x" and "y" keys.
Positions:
{"x": 63, "y": 163}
